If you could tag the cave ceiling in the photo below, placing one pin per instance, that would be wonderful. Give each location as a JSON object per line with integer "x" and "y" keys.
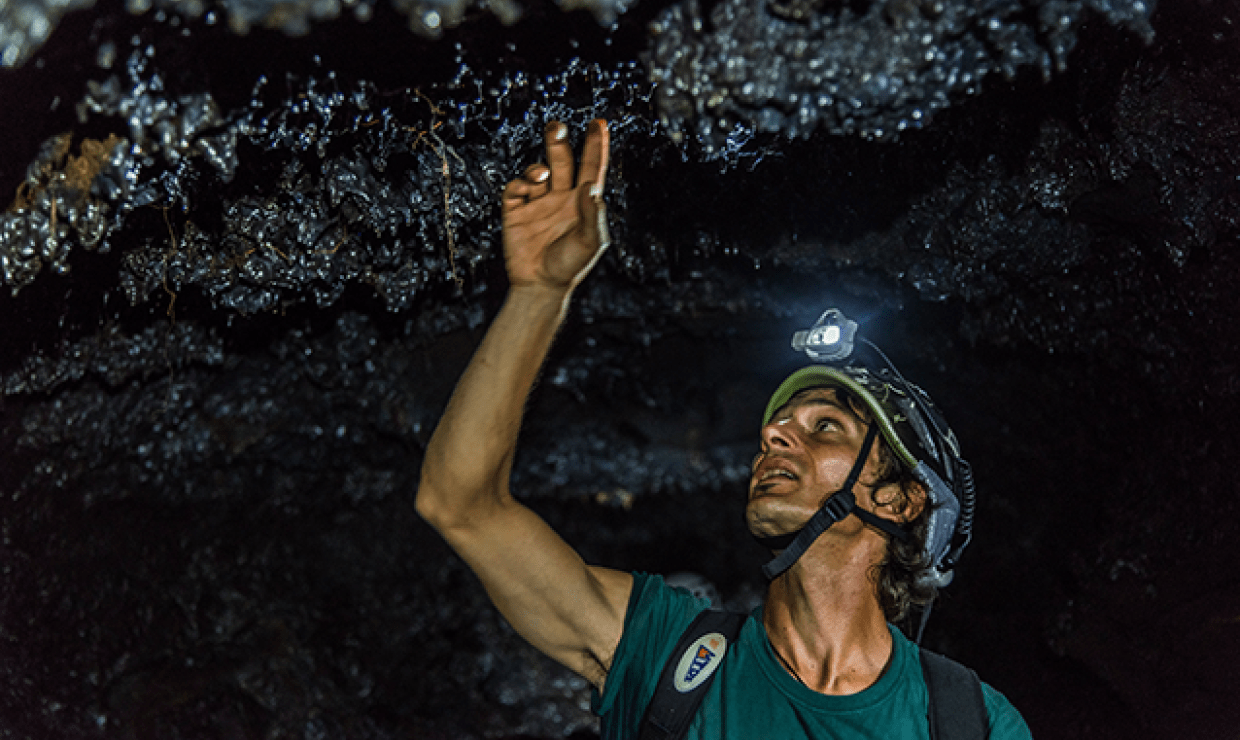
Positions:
{"x": 249, "y": 247}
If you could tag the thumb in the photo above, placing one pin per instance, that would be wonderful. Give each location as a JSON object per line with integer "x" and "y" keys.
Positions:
{"x": 593, "y": 226}
{"x": 594, "y": 216}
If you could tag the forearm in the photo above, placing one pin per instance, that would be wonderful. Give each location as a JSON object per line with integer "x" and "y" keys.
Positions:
{"x": 469, "y": 457}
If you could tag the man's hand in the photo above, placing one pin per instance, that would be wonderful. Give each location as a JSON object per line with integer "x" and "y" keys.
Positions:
{"x": 555, "y": 225}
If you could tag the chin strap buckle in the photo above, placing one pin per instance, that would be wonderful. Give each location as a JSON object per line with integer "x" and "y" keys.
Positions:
{"x": 839, "y": 506}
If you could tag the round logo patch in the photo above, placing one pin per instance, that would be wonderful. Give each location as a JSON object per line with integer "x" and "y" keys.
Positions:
{"x": 700, "y": 661}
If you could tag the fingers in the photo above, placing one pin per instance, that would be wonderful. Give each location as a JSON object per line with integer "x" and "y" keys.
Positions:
{"x": 559, "y": 156}
{"x": 530, "y": 185}
{"x": 596, "y": 153}
{"x": 537, "y": 173}
{"x": 558, "y": 173}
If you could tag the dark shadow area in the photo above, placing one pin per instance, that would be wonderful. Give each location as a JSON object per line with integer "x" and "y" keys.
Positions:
{"x": 211, "y": 433}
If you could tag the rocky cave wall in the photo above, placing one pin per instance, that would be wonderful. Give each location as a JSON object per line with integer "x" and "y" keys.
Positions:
{"x": 251, "y": 246}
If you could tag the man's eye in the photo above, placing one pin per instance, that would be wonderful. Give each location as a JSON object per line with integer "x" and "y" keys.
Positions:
{"x": 823, "y": 425}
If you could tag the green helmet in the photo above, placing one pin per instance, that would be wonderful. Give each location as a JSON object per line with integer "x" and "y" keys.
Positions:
{"x": 901, "y": 425}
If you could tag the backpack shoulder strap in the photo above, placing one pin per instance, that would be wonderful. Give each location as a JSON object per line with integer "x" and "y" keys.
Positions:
{"x": 957, "y": 707}
{"x": 688, "y": 674}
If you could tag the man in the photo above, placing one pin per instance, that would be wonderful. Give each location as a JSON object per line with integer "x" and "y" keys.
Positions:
{"x": 819, "y": 658}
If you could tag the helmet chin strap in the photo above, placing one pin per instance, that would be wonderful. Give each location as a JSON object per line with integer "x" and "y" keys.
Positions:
{"x": 836, "y": 508}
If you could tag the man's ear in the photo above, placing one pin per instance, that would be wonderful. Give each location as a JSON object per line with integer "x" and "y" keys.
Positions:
{"x": 918, "y": 498}
{"x": 900, "y": 505}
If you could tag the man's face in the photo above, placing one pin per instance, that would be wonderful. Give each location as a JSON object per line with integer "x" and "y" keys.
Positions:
{"x": 808, "y": 448}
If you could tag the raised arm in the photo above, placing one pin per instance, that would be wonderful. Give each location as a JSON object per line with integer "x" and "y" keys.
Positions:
{"x": 554, "y": 231}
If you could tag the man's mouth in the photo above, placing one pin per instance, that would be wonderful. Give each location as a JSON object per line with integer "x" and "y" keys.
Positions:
{"x": 770, "y": 471}
{"x": 775, "y": 473}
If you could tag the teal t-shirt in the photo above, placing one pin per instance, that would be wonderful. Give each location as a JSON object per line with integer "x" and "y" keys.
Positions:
{"x": 753, "y": 697}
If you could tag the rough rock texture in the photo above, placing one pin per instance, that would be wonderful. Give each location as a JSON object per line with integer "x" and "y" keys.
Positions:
{"x": 876, "y": 70}
{"x": 244, "y": 274}
{"x": 26, "y": 24}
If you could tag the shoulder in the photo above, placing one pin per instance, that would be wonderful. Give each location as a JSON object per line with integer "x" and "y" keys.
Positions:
{"x": 657, "y": 615}
{"x": 657, "y": 606}
{"x": 1005, "y": 721}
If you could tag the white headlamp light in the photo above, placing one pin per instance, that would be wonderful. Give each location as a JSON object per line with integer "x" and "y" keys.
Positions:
{"x": 830, "y": 339}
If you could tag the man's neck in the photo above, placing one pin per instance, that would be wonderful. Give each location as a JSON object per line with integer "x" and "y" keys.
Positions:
{"x": 825, "y": 623}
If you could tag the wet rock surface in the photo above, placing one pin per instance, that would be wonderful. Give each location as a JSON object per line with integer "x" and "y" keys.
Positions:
{"x": 26, "y": 24}
{"x": 243, "y": 273}
{"x": 873, "y": 69}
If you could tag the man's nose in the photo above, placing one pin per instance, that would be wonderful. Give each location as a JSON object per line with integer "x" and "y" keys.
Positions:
{"x": 777, "y": 434}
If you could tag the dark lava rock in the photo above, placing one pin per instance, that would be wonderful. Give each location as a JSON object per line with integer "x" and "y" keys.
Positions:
{"x": 267, "y": 259}
{"x": 875, "y": 69}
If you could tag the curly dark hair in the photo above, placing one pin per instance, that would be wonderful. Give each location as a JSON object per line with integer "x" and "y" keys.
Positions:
{"x": 899, "y": 577}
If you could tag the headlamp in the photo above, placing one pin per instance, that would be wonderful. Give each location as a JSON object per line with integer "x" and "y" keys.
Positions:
{"x": 830, "y": 339}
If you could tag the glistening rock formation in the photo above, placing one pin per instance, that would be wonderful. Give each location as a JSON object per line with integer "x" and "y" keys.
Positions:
{"x": 249, "y": 268}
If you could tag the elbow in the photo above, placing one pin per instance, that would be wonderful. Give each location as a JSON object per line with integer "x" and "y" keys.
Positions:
{"x": 447, "y": 501}
{"x": 441, "y": 503}
{"x": 427, "y": 502}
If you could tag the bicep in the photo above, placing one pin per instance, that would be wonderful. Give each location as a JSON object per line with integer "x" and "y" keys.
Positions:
{"x": 570, "y": 611}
